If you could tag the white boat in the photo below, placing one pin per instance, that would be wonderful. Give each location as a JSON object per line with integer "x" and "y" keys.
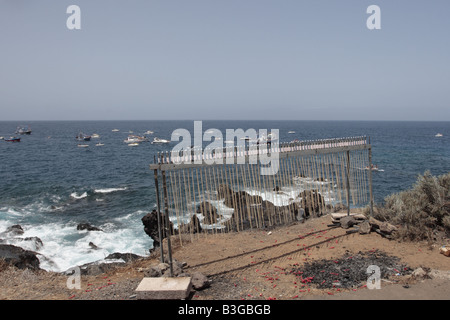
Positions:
{"x": 134, "y": 144}
{"x": 148, "y": 132}
{"x": 438, "y": 135}
{"x": 2, "y": 138}
{"x": 115, "y": 130}
{"x": 158, "y": 140}
{"x": 83, "y": 145}
{"x": 291, "y": 132}
{"x": 135, "y": 139}
{"x": 99, "y": 144}
{"x": 270, "y": 138}
{"x": 95, "y": 136}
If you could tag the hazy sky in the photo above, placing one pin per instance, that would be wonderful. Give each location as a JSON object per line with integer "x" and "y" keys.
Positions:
{"x": 224, "y": 59}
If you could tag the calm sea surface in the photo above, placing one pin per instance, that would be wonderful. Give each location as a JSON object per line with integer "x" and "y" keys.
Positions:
{"x": 48, "y": 184}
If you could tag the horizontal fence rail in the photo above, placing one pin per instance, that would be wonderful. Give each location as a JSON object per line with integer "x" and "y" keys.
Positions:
{"x": 196, "y": 156}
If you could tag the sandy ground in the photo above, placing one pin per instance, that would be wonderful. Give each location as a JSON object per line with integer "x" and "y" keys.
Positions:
{"x": 250, "y": 265}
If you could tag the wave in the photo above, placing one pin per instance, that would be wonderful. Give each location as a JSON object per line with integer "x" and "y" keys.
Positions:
{"x": 109, "y": 190}
{"x": 64, "y": 247}
{"x": 76, "y": 196}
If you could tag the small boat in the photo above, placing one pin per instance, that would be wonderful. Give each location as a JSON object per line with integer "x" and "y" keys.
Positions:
{"x": 135, "y": 139}
{"x": 134, "y": 144}
{"x": 269, "y": 139}
{"x": 374, "y": 168}
{"x": 158, "y": 140}
{"x": 23, "y": 130}
{"x": 291, "y": 132}
{"x": 1, "y": 138}
{"x": 439, "y": 135}
{"x": 115, "y": 130}
{"x": 13, "y": 139}
{"x": 148, "y": 132}
{"x": 95, "y": 136}
{"x": 83, "y": 145}
{"x": 99, "y": 144}
{"x": 83, "y": 137}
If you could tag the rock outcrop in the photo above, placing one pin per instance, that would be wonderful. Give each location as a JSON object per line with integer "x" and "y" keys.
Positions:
{"x": 18, "y": 257}
{"x": 150, "y": 222}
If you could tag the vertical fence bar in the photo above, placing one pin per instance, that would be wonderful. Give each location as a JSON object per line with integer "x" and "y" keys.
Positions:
{"x": 348, "y": 182}
{"x": 370, "y": 180}
{"x": 158, "y": 214}
{"x": 167, "y": 229}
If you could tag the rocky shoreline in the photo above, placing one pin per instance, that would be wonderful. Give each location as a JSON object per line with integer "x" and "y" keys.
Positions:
{"x": 310, "y": 203}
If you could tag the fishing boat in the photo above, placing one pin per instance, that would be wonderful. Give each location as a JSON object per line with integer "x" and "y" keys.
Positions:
{"x": 158, "y": 140}
{"x": 23, "y": 130}
{"x": 83, "y": 137}
{"x": 13, "y": 139}
{"x": 135, "y": 139}
{"x": 438, "y": 135}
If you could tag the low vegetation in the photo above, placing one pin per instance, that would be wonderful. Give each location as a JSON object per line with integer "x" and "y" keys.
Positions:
{"x": 423, "y": 212}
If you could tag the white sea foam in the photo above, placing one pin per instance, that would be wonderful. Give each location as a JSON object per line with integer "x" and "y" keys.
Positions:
{"x": 29, "y": 209}
{"x": 109, "y": 190}
{"x": 76, "y": 196}
{"x": 65, "y": 247}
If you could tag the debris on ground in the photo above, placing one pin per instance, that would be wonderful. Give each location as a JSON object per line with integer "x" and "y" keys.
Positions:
{"x": 445, "y": 250}
{"x": 350, "y": 271}
{"x": 362, "y": 224}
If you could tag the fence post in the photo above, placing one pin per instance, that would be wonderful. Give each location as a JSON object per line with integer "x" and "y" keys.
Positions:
{"x": 348, "y": 183}
{"x": 158, "y": 214}
{"x": 370, "y": 180}
{"x": 167, "y": 228}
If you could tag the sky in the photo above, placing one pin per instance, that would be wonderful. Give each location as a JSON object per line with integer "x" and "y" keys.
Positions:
{"x": 224, "y": 59}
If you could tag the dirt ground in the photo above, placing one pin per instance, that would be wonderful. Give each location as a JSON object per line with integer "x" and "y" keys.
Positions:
{"x": 249, "y": 265}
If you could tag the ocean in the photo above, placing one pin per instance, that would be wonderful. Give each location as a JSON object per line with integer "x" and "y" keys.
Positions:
{"x": 49, "y": 185}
